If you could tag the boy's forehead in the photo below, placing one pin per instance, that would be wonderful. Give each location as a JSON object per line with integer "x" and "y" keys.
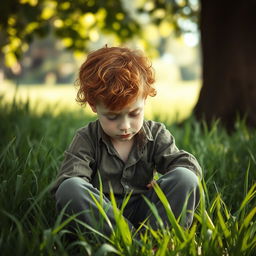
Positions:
{"x": 137, "y": 103}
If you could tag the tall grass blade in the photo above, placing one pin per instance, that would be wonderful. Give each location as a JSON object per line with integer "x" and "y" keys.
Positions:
{"x": 154, "y": 211}
{"x": 222, "y": 223}
{"x": 248, "y": 218}
{"x": 175, "y": 225}
{"x": 163, "y": 246}
{"x": 121, "y": 224}
{"x": 5, "y": 150}
{"x": 36, "y": 200}
{"x": 93, "y": 230}
{"x": 20, "y": 238}
{"x": 107, "y": 249}
{"x": 59, "y": 225}
{"x": 250, "y": 195}
{"x": 83, "y": 244}
{"x": 101, "y": 210}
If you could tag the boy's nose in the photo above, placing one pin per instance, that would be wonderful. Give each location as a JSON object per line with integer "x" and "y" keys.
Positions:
{"x": 124, "y": 125}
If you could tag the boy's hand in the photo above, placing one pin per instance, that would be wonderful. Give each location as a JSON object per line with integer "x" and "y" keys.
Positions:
{"x": 151, "y": 184}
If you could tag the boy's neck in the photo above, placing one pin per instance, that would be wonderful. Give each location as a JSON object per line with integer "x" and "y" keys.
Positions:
{"x": 123, "y": 148}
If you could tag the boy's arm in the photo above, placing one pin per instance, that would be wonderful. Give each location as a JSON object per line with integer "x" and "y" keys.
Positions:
{"x": 78, "y": 161}
{"x": 167, "y": 156}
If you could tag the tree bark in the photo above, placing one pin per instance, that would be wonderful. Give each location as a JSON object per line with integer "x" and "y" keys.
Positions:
{"x": 228, "y": 38}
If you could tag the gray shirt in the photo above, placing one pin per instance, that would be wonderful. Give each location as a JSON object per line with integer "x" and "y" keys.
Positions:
{"x": 92, "y": 157}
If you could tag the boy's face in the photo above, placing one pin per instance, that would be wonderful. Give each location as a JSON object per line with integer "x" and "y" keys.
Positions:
{"x": 124, "y": 124}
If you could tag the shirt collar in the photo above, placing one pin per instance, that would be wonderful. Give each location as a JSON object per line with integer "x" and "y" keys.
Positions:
{"x": 146, "y": 131}
{"x": 101, "y": 134}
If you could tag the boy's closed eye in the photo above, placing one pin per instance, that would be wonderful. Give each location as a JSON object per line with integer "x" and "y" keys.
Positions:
{"x": 113, "y": 117}
{"x": 134, "y": 113}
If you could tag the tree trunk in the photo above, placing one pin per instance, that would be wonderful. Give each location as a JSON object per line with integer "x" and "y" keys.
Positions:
{"x": 228, "y": 37}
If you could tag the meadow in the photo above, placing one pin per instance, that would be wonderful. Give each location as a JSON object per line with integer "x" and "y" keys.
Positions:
{"x": 31, "y": 150}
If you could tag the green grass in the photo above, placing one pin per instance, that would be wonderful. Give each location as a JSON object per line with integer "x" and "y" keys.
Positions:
{"x": 31, "y": 149}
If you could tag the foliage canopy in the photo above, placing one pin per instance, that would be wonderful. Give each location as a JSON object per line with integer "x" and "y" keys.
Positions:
{"x": 78, "y": 22}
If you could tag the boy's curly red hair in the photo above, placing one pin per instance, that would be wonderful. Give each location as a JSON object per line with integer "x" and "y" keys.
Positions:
{"x": 115, "y": 76}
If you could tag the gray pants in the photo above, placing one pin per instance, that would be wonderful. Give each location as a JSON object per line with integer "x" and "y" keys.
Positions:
{"x": 179, "y": 186}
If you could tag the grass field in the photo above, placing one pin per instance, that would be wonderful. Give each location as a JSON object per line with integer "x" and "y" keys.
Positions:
{"x": 31, "y": 149}
{"x": 174, "y": 101}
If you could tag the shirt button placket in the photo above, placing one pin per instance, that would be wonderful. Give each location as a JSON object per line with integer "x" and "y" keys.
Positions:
{"x": 125, "y": 182}
{"x": 127, "y": 187}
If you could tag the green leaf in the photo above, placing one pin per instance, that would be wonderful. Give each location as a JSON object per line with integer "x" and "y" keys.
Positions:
{"x": 250, "y": 195}
{"x": 121, "y": 223}
{"x": 105, "y": 249}
{"x": 177, "y": 228}
{"x": 101, "y": 210}
{"x": 154, "y": 211}
{"x": 248, "y": 218}
{"x": 221, "y": 222}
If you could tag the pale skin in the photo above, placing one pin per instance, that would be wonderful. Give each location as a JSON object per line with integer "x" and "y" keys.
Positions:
{"x": 121, "y": 126}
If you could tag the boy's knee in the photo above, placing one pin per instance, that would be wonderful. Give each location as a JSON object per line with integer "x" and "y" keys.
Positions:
{"x": 70, "y": 190}
{"x": 183, "y": 178}
{"x": 186, "y": 177}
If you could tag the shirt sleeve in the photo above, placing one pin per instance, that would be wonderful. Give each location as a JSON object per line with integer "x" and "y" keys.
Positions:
{"x": 78, "y": 160}
{"x": 167, "y": 156}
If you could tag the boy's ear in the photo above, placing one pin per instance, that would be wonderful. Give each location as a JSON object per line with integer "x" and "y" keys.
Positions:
{"x": 93, "y": 107}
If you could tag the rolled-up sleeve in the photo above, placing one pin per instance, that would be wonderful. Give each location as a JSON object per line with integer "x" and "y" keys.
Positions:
{"x": 167, "y": 156}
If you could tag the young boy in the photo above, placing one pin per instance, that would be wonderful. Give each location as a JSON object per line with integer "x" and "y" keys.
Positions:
{"x": 122, "y": 148}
